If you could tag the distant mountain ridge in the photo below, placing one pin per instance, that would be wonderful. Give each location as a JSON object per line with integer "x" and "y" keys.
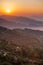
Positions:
{"x": 19, "y": 22}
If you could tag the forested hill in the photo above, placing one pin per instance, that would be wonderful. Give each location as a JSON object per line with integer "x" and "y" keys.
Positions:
{"x": 27, "y": 37}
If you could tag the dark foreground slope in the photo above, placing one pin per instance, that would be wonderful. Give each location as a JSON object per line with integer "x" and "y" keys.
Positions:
{"x": 21, "y": 47}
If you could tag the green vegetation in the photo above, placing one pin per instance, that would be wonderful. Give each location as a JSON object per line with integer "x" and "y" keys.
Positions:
{"x": 12, "y": 54}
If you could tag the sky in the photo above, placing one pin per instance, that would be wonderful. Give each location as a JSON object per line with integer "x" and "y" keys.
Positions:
{"x": 21, "y": 7}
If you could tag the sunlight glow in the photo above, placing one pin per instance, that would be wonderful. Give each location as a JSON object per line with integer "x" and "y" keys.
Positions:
{"x": 21, "y": 7}
{"x": 8, "y": 10}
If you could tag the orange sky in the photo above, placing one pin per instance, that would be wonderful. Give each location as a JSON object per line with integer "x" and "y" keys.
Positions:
{"x": 21, "y": 7}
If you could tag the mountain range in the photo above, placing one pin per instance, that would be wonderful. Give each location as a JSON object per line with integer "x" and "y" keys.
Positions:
{"x": 20, "y": 22}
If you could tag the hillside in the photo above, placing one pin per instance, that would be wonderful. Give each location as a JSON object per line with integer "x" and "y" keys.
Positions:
{"x": 21, "y": 47}
{"x": 26, "y": 37}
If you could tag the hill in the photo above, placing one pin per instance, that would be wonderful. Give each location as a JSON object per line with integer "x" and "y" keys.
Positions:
{"x": 21, "y": 46}
{"x": 26, "y": 37}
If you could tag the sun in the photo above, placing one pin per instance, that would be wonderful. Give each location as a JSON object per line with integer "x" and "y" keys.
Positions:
{"x": 8, "y": 10}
